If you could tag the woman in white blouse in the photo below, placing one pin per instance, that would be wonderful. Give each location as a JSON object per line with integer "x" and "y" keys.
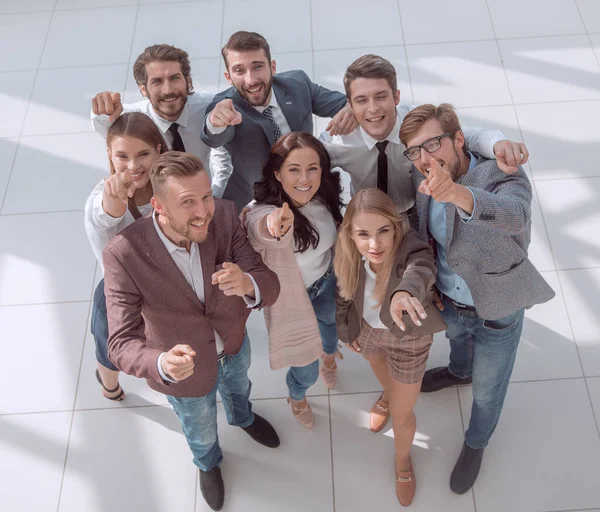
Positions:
{"x": 133, "y": 143}
{"x": 293, "y": 225}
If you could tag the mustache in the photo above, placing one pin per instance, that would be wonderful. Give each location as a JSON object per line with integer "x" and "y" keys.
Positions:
{"x": 162, "y": 97}
{"x": 198, "y": 219}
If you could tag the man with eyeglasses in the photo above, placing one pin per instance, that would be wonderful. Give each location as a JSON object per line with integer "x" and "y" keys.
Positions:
{"x": 479, "y": 221}
{"x": 372, "y": 153}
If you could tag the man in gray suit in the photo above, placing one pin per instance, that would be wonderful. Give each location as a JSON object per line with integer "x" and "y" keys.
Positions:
{"x": 249, "y": 117}
{"x": 479, "y": 221}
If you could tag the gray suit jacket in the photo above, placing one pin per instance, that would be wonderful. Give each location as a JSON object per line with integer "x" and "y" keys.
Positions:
{"x": 490, "y": 251}
{"x": 249, "y": 142}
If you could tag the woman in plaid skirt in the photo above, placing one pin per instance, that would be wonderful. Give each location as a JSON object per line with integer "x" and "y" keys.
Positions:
{"x": 385, "y": 275}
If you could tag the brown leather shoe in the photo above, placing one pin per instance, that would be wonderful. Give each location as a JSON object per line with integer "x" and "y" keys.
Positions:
{"x": 380, "y": 414}
{"x": 405, "y": 485}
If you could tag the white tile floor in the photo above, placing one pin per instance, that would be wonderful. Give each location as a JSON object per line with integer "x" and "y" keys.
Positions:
{"x": 529, "y": 67}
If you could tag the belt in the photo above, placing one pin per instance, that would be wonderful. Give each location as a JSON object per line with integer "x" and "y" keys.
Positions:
{"x": 459, "y": 305}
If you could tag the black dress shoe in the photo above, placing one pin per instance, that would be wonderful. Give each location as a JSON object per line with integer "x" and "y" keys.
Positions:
{"x": 262, "y": 432}
{"x": 213, "y": 490}
{"x": 440, "y": 378}
{"x": 466, "y": 469}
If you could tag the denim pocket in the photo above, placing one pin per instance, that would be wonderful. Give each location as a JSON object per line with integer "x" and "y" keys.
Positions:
{"x": 502, "y": 324}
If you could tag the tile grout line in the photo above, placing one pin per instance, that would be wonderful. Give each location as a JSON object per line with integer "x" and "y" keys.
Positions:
{"x": 135, "y": 23}
{"x": 37, "y": 72}
{"x": 312, "y": 42}
{"x": 412, "y": 92}
{"x": 589, "y": 37}
{"x": 62, "y": 480}
{"x": 331, "y": 450}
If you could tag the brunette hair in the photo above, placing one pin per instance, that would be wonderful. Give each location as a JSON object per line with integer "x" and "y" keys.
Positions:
{"x": 347, "y": 261}
{"x": 243, "y": 41}
{"x": 139, "y": 126}
{"x": 162, "y": 53}
{"x": 417, "y": 117}
{"x": 370, "y": 66}
{"x": 173, "y": 164}
{"x": 270, "y": 191}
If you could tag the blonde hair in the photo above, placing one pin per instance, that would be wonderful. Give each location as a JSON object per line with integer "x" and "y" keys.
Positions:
{"x": 348, "y": 260}
{"x": 173, "y": 164}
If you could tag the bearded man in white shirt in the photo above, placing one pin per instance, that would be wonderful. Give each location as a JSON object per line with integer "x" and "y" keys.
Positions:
{"x": 163, "y": 74}
{"x": 373, "y": 155}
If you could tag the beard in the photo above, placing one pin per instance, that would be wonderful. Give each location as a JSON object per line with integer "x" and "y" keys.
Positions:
{"x": 266, "y": 91}
{"x": 187, "y": 230}
{"x": 169, "y": 110}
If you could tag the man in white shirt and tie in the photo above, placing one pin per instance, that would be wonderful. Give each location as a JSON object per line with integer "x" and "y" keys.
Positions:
{"x": 163, "y": 74}
{"x": 373, "y": 155}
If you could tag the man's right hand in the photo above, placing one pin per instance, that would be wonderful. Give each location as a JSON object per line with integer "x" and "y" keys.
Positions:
{"x": 178, "y": 363}
{"x": 224, "y": 114}
{"x": 107, "y": 103}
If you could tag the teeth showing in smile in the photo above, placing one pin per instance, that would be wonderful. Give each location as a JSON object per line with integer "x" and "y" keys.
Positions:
{"x": 136, "y": 175}
{"x": 303, "y": 189}
{"x": 198, "y": 224}
{"x": 254, "y": 90}
{"x": 374, "y": 119}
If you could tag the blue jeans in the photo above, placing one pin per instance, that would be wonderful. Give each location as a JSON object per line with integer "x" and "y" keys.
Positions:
{"x": 99, "y": 327}
{"x": 322, "y": 296}
{"x": 198, "y": 415}
{"x": 484, "y": 350}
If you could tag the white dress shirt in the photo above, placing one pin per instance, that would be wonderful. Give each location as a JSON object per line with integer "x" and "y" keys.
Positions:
{"x": 370, "y": 308}
{"x": 313, "y": 263}
{"x": 356, "y": 154}
{"x": 100, "y": 226}
{"x": 190, "y": 123}
{"x": 190, "y": 265}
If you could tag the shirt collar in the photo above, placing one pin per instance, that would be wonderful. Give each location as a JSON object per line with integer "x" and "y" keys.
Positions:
{"x": 171, "y": 247}
{"x": 272, "y": 103}
{"x": 164, "y": 125}
{"x": 393, "y": 136}
{"x": 473, "y": 161}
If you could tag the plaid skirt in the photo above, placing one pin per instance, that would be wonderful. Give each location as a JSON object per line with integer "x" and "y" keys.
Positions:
{"x": 406, "y": 357}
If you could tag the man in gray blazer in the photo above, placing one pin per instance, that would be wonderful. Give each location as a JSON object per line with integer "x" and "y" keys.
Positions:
{"x": 249, "y": 117}
{"x": 479, "y": 221}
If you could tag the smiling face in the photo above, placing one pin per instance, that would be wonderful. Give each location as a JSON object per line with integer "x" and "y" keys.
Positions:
{"x": 187, "y": 206}
{"x": 251, "y": 74}
{"x": 133, "y": 156}
{"x": 449, "y": 153}
{"x": 374, "y": 105}
{"x": 300, "y": 175}
{"x": 166, "y": 88}
{"x": 373, "y": 235}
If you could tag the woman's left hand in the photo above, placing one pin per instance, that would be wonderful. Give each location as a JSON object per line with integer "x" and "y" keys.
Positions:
{"x": 404, "y": 301}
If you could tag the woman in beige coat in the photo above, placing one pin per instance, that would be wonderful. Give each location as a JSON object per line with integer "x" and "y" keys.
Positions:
{"x": 293, "y": 225}
{"x": 385, "y": 276}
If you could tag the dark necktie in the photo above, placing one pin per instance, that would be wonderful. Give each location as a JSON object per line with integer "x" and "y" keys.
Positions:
{"x": 269, "y": 115}
{"x": 382, "y": 167}
{"x": 177, "y": 142}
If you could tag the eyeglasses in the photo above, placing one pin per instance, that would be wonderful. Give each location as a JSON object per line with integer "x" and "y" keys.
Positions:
{"x": 430, "y": 145}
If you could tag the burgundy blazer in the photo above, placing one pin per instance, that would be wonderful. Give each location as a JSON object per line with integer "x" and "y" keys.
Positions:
{"x": 151, "y": 307}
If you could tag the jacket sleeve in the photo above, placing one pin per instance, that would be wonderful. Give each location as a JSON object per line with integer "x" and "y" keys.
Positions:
{"x": 342, "y": 308}
{"x": 420, "y": 271}
{"x": 506, "y": 207}
{"x": 127, "y": 347}
{"x": 261, "y": 239}
{"x": 325, "y": 103}
{"x": 216, "y": 140}
{"x": 251, "y": 263}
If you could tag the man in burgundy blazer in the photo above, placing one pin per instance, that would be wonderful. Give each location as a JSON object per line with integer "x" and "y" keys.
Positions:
{"x": 179, "y": 286}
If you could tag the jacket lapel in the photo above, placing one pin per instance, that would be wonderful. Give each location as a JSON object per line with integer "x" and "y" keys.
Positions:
{"x": 158, "y": 253}
{"x": 207, "y": 258}
{"x": 288, "y": 105}
{"x": 256, "y": 116}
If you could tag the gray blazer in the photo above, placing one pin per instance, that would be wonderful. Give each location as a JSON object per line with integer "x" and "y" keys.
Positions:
{"x": 250, "y": 141}
{"x": 490, "y": 251}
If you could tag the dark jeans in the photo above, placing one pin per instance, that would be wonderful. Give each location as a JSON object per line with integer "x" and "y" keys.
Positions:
{"x": 484, "y": 350}
{"x": 99, "y": 327}
{"x": 322, "y": 296}
{"x": 198, "y": 415}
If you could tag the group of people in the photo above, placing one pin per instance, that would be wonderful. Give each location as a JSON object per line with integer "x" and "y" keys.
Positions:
{"x": 218, "y": 206}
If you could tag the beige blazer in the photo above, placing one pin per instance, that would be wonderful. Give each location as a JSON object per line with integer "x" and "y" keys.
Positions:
{"x": 294, "y": 338}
